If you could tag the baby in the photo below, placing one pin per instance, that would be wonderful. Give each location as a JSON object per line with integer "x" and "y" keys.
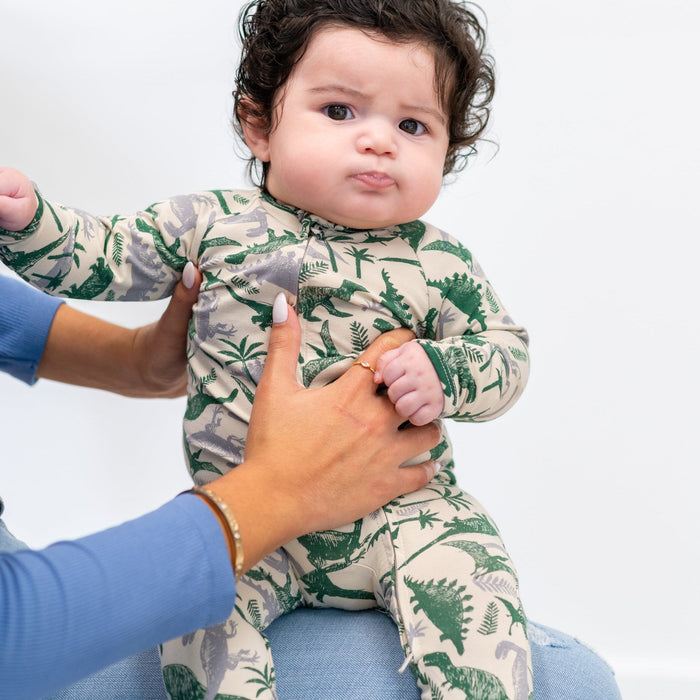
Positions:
{"x": 353, "y": 113}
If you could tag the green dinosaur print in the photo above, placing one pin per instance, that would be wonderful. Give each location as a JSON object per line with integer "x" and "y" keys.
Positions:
{"x": 518, "y": 354}
{"x": 94, "y": 285}
{"x": 326, "y": 357}
{"x": 218, "y": 242}
{"x": 458, "y": 526}
{"x": 456, "y": 249}
{"x": 395, "y": 302}
{"x": 319, "y": 585}
{"x": 273, "y": 243}
{"x": 263, "y": 317}
{"x": 167, "y": 253}
{"x": 484, "y": 563}
{"x": 459, "y": 360}
{"x": 461, "y": 291}
{"x": 195, "y": 465}
{"x": 475, "y": 682}
{"x": 413, "y": 233}
{"x": 199, "y": 402}
{"x": 182, "y": 684}
{"x": 21, "y": 262}
{"x": 382, "y": 325}
{"x": 221, "y": 198}
{"x": 332, "y": 545}
{"x": 517, "y": 615}
{"x": 446, "y": 605}
{"x": 312, "y": 297}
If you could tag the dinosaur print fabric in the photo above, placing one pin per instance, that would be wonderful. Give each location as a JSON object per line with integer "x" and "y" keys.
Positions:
{"x": 433, "y": 559}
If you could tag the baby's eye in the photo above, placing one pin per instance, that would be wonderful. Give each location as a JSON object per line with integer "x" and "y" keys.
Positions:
{"x": 413, "y": 127}
{"x": 338, "y": 112}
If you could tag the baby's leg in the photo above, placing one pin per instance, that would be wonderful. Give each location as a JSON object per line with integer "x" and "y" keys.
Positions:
{"x": 233, "y": 658}
{"x": 455, "y": 598}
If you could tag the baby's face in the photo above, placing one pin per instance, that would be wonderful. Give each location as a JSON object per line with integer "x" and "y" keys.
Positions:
{"x": 358, "y": 135}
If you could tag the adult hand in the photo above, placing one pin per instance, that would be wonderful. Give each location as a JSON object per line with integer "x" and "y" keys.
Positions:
{"x": 319, "y": 458}
{"x": 159, "y": 348}
{"x": 146, "y": 362}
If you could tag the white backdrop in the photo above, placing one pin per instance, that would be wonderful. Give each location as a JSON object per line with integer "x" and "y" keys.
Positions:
{"x": 584, "y": 221}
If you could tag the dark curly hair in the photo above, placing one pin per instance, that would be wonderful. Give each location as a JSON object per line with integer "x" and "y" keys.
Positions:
{"x": 275, "y": 34}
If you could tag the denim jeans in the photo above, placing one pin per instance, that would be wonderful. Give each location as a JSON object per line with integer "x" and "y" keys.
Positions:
{"x": 337, "y": 655}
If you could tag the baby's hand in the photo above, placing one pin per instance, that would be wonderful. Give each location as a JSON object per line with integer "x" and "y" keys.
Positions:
{"x": 414, "y": 385}
{"x": 18, "y": 202}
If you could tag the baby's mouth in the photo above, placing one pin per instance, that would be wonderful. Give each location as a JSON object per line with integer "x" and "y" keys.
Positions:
{"x": 375, "y": 180}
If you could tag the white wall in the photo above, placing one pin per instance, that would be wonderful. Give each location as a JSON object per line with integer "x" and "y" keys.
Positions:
{"x": 585, "y": 221}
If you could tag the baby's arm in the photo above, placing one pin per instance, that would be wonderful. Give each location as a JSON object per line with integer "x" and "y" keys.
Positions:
{"x": 69, "y": 252}
{"x": 413, "y": 384}
{"x": 18, "y": 202}
{"x": 480, "y": 355}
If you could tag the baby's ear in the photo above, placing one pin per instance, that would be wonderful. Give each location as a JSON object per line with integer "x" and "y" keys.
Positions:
{"x": 255, "y": 130}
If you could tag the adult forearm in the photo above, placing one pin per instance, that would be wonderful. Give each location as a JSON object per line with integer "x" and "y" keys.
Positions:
{"x": 87, "y": 351}
{"x": 148, "y": 361}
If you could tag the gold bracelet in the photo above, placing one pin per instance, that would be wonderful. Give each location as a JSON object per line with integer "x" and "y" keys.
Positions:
{"x": 234, "y": 534}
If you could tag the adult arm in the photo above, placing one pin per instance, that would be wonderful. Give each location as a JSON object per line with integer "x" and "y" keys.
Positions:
{"x": 26, "y": 316}
{"x": 148, "y": 361}
{"x": 40, "y": 336}
{"x": 315, "y": 459}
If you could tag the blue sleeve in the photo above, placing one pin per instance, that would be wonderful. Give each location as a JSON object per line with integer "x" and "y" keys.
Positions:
{"x": 25, "y": 318}
{"x": 78, "y": 606}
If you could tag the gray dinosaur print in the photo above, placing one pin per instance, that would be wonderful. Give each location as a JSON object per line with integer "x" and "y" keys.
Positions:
{"x": 249, "y": 247}
{"x": 520, "y": 671}
{"x": 181, "y": 683}
{"x": 216, "y": 659}
{"x": 280, "y": 599}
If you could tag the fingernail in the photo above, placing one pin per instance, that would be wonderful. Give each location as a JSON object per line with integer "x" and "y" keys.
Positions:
{"x": 279, "y": 309}
{"x": 188, "y": 275}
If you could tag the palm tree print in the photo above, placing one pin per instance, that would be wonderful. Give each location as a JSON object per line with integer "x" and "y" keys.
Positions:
{"x": 361, "y": 255}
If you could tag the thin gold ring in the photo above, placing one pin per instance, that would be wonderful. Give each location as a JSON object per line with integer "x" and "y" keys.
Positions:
{"x": 366, "y": 365}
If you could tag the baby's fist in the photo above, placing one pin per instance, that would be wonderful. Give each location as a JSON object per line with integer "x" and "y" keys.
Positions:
{"x": 413, "y": 384}
{"x": 18, "y": 202}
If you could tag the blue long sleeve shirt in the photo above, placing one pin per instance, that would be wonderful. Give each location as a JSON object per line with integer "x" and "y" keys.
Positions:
{"x": 78, "y": 606}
